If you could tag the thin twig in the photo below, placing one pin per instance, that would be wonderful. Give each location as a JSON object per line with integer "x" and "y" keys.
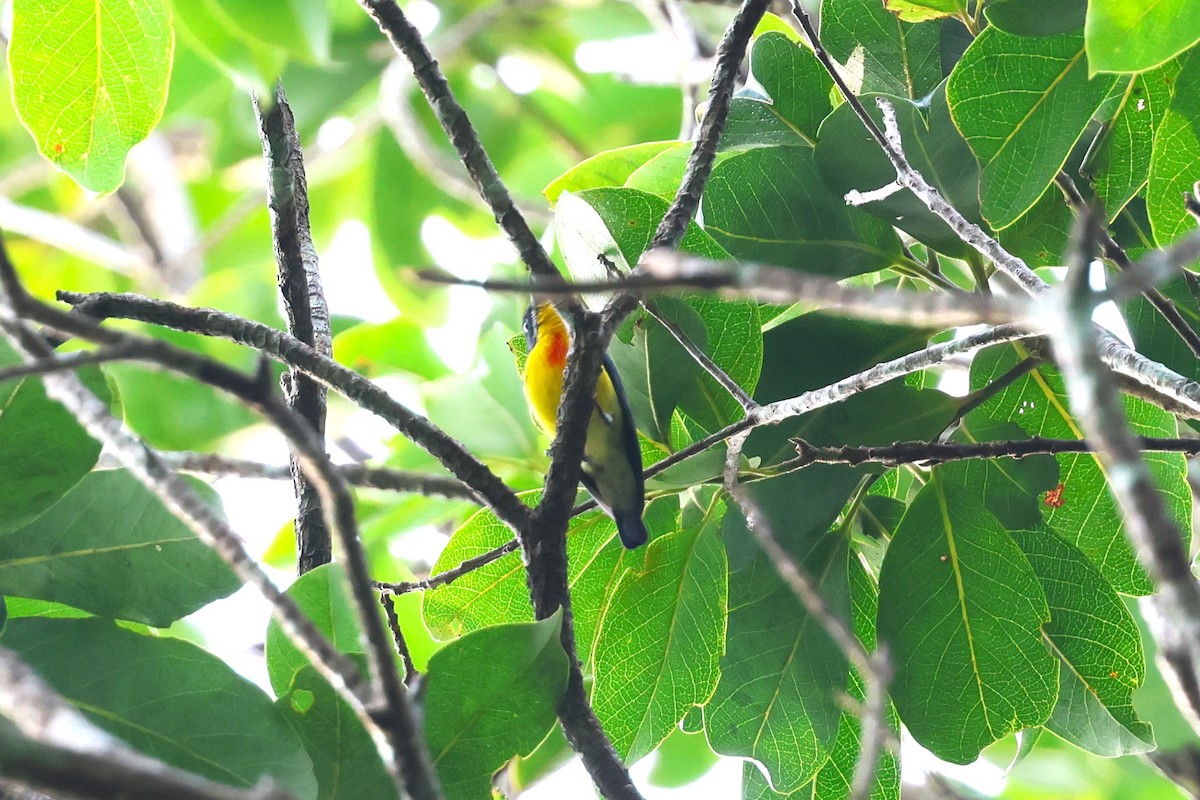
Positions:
{"x": 393, "y": 480}
{"x": 942, "y": 452}
{"x": 300, "y": 287}
{"x": 389, "y": 608}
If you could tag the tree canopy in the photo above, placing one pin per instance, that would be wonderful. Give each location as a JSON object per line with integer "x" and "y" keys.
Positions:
{"x": 901, "y": 293}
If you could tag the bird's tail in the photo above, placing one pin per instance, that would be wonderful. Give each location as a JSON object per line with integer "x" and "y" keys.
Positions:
{"x": 631, "y": 528}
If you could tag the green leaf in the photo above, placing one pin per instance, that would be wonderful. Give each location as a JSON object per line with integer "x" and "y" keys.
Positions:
{"x": 1040, "y": 236}
{"x": 322, "y": 595}
{"x": 1097, "y": 642}
{"x": 660, "y": 639}
{"x": 1036, "y": 17}
{"x": 922, "y": 10}
{"x": 1022, "y": 104}
{"x": 1123, "y": 162}
{"x": 221, "y": 42}
{"x": 382, "y": 348}
{"x": 1173, "y": 158}
{"x": 777, "y": 700}
{"x": 161, "y": 696}
{"x": 110, "y": 546}
{"x": 892, "y": 57}
{"x": 456, "y": 403}
{"x": 735, "y": 344}
{"x": 1008, "y": 487}
{"x": 1088, "y": 516}
{"x": 497, "y": 593}
{"x": 1153, "y": 335}
{"x": 90, "y": 80}
{"x": 344, "y": 757}
{"x": 770, "y": 204}
{"x": 850, "y": 159}
{"x": 489, "y": 696}
{"x": 610, "y": 168}
{"x": 962, "y": 610}
{"x": 299, "y": 26}
{"x": 663, "y": 173}
{"x": 681, "y": 759}
{"x": 655, "y": 369}
{"x": 797, "y": 88}
{"x": 53, "y": 449}
{"x": 1132, "y": 37}
{"x": 618, "y": 223}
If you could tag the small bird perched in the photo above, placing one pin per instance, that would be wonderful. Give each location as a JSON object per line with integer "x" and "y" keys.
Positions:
{"x": 612, "y": 460}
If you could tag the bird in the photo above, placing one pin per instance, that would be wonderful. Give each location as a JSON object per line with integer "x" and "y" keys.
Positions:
{"x": 612, "y": 460}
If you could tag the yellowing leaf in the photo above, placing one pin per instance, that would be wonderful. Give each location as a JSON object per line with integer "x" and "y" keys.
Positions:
{"x": 90, "y": 80}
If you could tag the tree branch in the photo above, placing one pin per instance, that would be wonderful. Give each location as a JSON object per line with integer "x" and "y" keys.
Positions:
{"x": 304, "y": 300}
{"x": 942, "y": 452}
{"x": 487, "y": 487}
{"x": 393, "y": 480}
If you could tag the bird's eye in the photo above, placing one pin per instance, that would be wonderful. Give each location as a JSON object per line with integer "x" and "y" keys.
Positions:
{"x": 530, "y": 326}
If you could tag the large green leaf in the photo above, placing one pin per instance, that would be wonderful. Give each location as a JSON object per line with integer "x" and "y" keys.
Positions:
{"x": 90, "y": 80}
{"x": 1123, "y": 162}
{"x": 656, "y": 371}
{"x": 1022, "y": 103}
{"x": 168, "y": 698}
{"x": 322, "y": 595}
{"x": 489, "y": 696}
{"x": 921, "y": 10}
{"x": 610, "y": 168}
{"x": 299, "y": 26}
{"x": 54, "y": 451}
{"x": 662, "y": 635}
{"x": 797, "y": 88}
{"x": 1132, "y": 37}
{"x": 497, "y": 593}
{"x": 1174, "y": 158}
{"x": 850, "y": 158}
{"x": 770, "y": 204}
{"x": 962, "y": 611}
{"x": 735, "y": 344}
{"x": 777, "y": 700}
{"x": 893, "y": 57}
{"x": 1098, "y": 645}
{"x": 1010, "y": 488}
{"x": 1036, "y": 17}
{"x": 110, "y": 546}
{"x": 1088, "y": 515}
{"x": 834, "y": 779}
{"x": 344, "y": 757}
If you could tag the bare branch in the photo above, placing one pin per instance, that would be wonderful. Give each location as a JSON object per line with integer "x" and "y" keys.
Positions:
{"x": 393, "y": 480}
{"x": 304, "y": 299}
{"x": 942, "y": 452}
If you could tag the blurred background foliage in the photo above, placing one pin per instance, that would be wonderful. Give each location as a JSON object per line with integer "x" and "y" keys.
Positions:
{"x": 547, "y": 85}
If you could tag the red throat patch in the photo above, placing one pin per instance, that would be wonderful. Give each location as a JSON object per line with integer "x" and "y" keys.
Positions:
{"x": 557, "y": 344}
